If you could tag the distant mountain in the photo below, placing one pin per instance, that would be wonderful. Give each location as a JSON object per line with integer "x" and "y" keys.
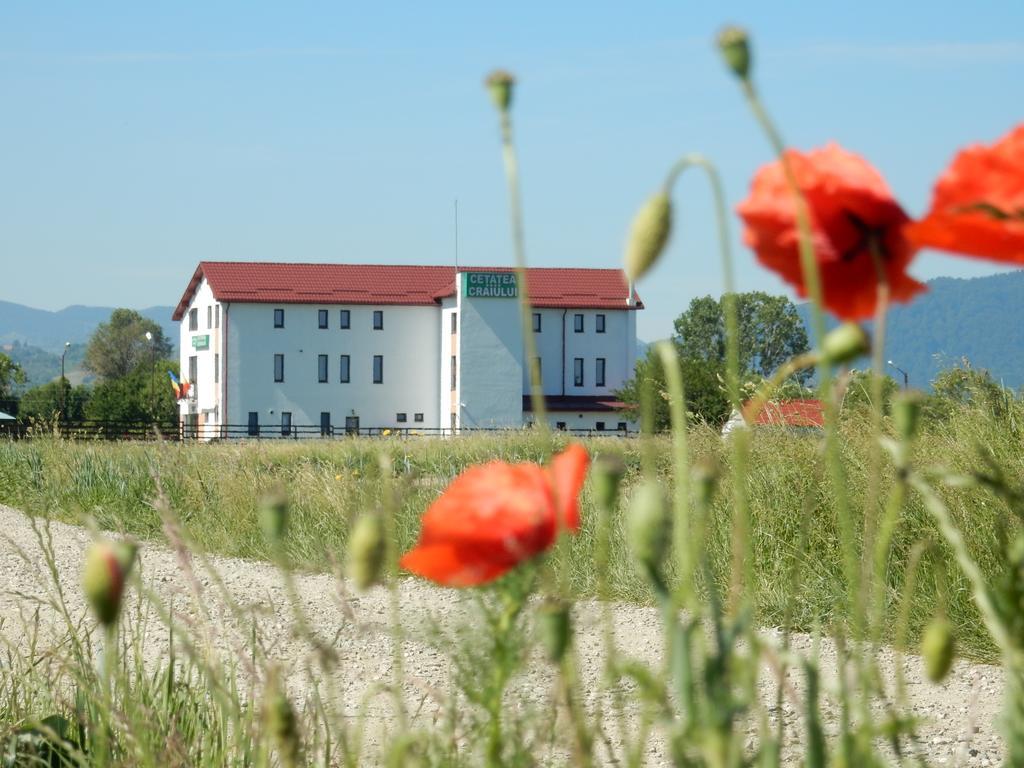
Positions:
{"x": 41, "y": 366}
{"x": 49, "y": 330}
{"x": 979, "y": 319}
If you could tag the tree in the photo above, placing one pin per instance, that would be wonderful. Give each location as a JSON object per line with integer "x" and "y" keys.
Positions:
{"x": 44, "y": 402}
{"x": 118, "y": 347}
{"x": 770, "y": 332}
{"x": 10, "y": 375}
{"x": 703, "y": 382}
{"x": 143, "y": 395}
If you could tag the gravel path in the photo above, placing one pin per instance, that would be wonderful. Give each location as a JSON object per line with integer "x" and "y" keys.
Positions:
{"x": 958, "y": 717}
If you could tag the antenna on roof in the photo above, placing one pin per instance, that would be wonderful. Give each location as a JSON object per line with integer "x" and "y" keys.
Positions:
{"x": 456, "y": 233}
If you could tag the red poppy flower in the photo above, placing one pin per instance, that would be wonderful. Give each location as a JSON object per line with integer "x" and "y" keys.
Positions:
{"x": 850, "y": 207}
{"x": 978, "y": 203}
{"x": 494, "y": 516}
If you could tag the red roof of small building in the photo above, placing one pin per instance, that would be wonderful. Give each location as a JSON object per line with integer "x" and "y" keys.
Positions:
{"x": 792, "y": 413}
{"x": 389, "y": 284}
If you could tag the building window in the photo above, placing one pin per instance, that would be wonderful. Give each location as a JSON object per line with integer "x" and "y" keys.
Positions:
{"x": 216, "y": 367}
{"x": 321, "y": 318}
{"x": 279, "y": 318}
{"x": 455, "y": 322}
{"x": 599, "y": 426}
{"x": 417, "y": 417}
{"x": 622, "y": 426}
{"x": 321, "y": 368}
{"x": 286, "y": 423}
{"x": 577, "y": 371}
{"x": 560, "y": 425}
{"x": 344, "y": 369}
{"x": 536, "y": 322}
{"x": 599, "y": 324}
{"x": 193, "y": 319}
{"x": 254, "y": 423}
{"x": 193, "y": 370}
{"x": 455, "y": 377}
{"x": 209, "y": 317}
{"x": 378, "y": 369}
{"x": 325, "y": 423}
{"x": 378, "y": 320}
{"x": 216, "y": 316}
{"x": 344, "y": 319}
{"x": 535, "y": 372}
{"x": 599, "y": 373}
{"x": 401, "y": 418}
{"x": 278, "y": 368}
{"x": 577, "y": 323}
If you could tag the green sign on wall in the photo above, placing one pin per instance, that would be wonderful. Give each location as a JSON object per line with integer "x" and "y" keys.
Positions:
{"x": 490, "y": 285}
{"x": 201, "y": 342}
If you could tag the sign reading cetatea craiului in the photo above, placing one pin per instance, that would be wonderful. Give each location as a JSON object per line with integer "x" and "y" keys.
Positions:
{"x": 201, "y": 342}
{"x": 490, "y": 285}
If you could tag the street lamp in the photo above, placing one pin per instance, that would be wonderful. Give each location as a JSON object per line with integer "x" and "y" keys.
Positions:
{"x": 63, "y": 387}
{"x": 906, "y": 379}
{"x": 152, "y": 375}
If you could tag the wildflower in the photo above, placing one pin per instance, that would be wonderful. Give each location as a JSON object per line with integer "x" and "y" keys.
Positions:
{"x": 648, "y": 235}
{"x": 107, "y": 566}
{"x": 852, "y": 212}
{"x": 978, "y": 203}
{"x": 938, "y": 648}
{"x": 648, "y": 525}
{"x": 366, "y": 550}
{"x": 274, "y": 516}
{"x": 845, "y": 343}
{"x": 734, "y": 46}
{"x": 385, "y": 432}
{"x": 501, "y": 84}
{"x": 496, "y": 515}
{"x": 337, "y": 477}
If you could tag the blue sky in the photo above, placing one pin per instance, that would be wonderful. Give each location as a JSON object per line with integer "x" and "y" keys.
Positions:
{"x": 141, "y": 138}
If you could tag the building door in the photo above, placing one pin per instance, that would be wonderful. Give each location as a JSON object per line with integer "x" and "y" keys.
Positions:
{"x": 325, "y": 423}
{"x": 351, "y": 425}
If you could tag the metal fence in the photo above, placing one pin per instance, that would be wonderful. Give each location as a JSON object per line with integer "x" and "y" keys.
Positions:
{"x": 145, "y": 430}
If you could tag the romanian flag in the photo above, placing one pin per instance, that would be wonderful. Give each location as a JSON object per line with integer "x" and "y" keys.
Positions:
{"x": 180, "y": 388}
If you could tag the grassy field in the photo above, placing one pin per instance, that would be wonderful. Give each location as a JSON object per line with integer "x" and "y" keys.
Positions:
{"x": 797, "y": 560}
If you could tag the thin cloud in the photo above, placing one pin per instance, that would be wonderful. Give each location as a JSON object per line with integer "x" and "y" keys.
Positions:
{"x": 120, "y": 57}
{"x": 934, "y": 52}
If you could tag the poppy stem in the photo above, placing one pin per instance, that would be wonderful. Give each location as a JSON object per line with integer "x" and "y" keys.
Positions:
{"x": 812, "y": 279}
{"x": 511, "y": 163}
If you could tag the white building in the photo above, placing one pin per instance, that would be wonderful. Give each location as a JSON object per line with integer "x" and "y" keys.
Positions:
{"x": 272, "y": 348}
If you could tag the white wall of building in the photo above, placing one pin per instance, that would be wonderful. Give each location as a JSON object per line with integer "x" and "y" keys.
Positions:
{"x": 409, "y": 344}
{"x": 617, "y": 345}
{"x": 491, "y": 362}
{"x": 207, "y": 390}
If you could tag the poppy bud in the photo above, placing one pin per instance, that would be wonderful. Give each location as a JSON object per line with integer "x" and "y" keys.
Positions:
{"x": 366, "y": 550}
{"x": 648, "y": 235}
{"x": 281, "y": 722}
{"x": 845, "y": 343}
{"x": 554, "y": 626}
{"x": 107, "y": 566}
{"x": 906, "y": 410}
{"x": 607, "y": 472}
{"x": 501, "y": 85}
{"x": 734, "y": 45}
{"x": 648, "y": 525}
{"x": 938, "y": 648}
{"x": 274, "y": 516}
{"x": 704, "y": 478}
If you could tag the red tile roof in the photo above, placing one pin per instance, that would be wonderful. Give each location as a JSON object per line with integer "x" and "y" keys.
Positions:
{"x": 792, "y": 413}
{"x": 281, "y": 283}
